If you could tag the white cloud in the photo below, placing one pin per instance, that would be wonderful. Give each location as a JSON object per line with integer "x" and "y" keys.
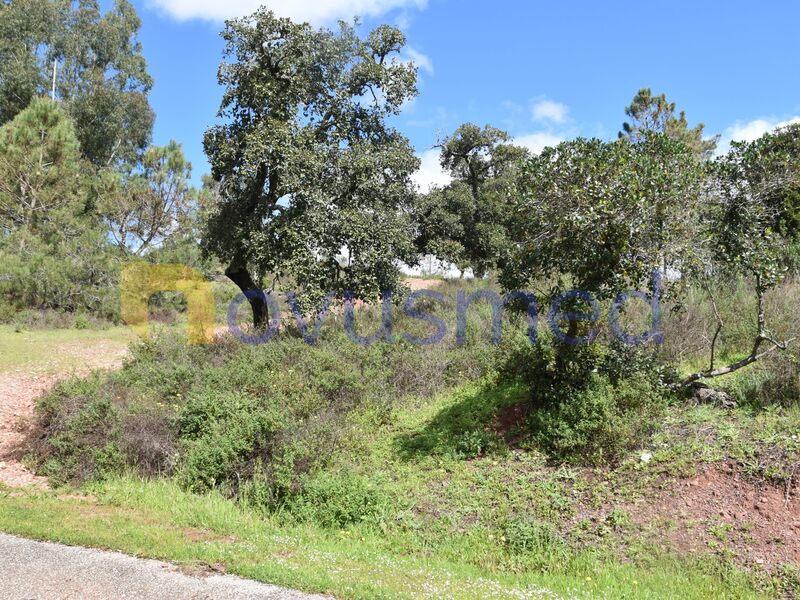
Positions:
{"x": 403, "y": 20}
{"x": 430, "y": 172}
{"x": 314, "y": 11}
{"x": 548, "y": 110}
{"x": 421, "y": 60}
{"x": 749, "y": 131}
{"x": 536, "y": 142}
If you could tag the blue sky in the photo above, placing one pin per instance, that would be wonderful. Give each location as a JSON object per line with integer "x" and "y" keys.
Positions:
{"x": 542, "y": 71}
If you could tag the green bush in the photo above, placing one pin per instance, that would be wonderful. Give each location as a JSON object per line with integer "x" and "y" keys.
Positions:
{"x": 257, "y": 421}
{"x": 590, "y": 404}
{"x": 77, "y": 274}
{"x": 80, "y": 425}
{"x": 599, "y": 422}
{"x": 524, "y": 535}
{"x": 220, "y": 435}
{"x": 251, "y": 421}
{"x": 471, "y": 444}
{"x": 338, "y": 500}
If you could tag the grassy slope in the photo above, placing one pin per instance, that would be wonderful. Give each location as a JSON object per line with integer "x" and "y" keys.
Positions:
{"x": 155, "y": 519}
{"x": 442, "y": 534}
{"x": 447, "y": 548}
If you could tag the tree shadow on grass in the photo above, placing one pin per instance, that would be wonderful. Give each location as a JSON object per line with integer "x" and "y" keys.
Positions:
{"x": 475, "y": 423}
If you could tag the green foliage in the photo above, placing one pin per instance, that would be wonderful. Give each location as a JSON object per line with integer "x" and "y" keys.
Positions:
{"x": 599, "y": 422}
{"x": 464, "y": 222}
{"x": 786, "y": 143}
{"x": 182, "y": 231}
{"x": 471, "y": 444}
{"x": 752, "y": 212}
{"x": 307, "y": 163}
{"x": 102, "y": 77}
{"x": 593, "y": 405}
{"x": 463, "y": 431}
{"x": 26, "y": 26}
{"x": 524, "y": 535}
{"x": 604, "y": 216}
{"x": 78, "y": 274}
{"x": 656, "y": 114}
{"x": 53, "y": 250}
{"x": 219, "y": 433}
{"x": 414, "y": 480}
{"x": 41, "y": 172}
{"x": 80, "y": 443}
{"x": 252, "y": 421}
{"x": 776, "y": 382}
{"x": 148, "y": 205}
{"x": 748, "y": 224}
{"x": 474, "y": 155}
{"x": 338, "y": 500}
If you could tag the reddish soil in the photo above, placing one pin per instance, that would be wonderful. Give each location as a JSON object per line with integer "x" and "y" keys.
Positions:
{"x": 721, "y": 509}
{"x": 18, "y": 392}
{"x": 510, "y": 423}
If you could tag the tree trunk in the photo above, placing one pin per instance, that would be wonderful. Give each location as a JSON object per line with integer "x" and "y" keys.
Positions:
{"x": 238, "y": 273}
{"x": 566, "y": 352}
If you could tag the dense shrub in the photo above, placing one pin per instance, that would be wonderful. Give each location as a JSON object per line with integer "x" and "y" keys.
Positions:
{"x": 148, "y": 441}
{"x": 252, "y": 421}
{"x": 590, "y": 404}
{"x": 80, "y": 436}
{"x": 338, "y": 500}
{"x": 598, "y": 422}
{"x": 220, "y": 433}
{"x": 257, "y": 421}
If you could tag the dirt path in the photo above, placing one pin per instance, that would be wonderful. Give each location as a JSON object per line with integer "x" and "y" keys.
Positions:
{"x": 39, "y": 570}
{"x": 20, "y": 388}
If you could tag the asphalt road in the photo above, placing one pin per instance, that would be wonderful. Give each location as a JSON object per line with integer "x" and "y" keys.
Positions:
{"x": 36, "y": 570}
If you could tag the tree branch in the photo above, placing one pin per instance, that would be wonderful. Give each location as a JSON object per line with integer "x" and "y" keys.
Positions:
{"x": 756, "y": 353}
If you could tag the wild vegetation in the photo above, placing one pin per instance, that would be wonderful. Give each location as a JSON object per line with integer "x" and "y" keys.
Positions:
{"x": 515, "y": 465}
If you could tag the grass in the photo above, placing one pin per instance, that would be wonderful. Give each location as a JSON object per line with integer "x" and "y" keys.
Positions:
{"x": 765, "y": 443}
{"x": 450, "y": 522}
{"x": 43, "y": 349}
{"x": 155, "y": 519}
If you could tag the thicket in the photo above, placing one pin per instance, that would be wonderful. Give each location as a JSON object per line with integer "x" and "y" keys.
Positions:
{"x": 250, "y": 420}
{"x": 266, "y": 423}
